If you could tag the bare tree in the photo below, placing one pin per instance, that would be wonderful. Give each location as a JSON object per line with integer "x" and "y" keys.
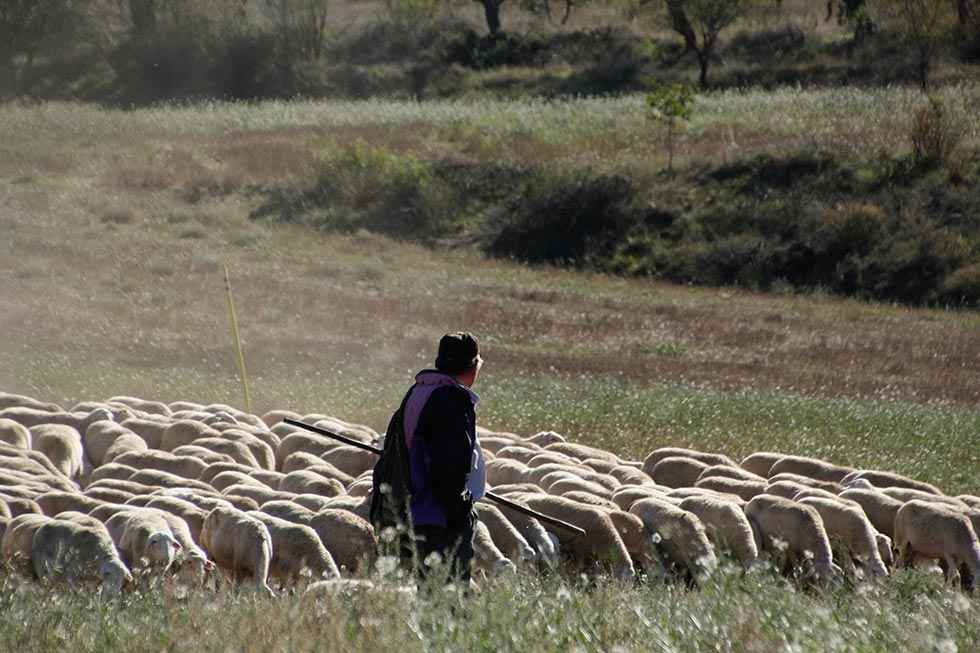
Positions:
{"x": 925, "y": 25}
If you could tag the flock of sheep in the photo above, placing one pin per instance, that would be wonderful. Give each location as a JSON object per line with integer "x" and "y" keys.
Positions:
{"x": 190, "y": 492}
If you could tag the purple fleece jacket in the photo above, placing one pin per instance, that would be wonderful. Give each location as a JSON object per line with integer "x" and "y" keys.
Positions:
{"x": 440, "y": 435}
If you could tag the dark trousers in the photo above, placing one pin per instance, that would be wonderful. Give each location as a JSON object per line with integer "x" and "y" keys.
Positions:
{"x": 454, "y": 546}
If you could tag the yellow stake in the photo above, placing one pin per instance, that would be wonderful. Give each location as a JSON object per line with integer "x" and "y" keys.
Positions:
{"x": 238, "y": 342}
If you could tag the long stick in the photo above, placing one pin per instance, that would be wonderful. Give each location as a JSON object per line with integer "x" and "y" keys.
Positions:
{"x": 238, "y": 342}
{"x": 496, "y": 498}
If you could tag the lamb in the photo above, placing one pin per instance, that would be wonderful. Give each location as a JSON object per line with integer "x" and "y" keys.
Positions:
{"x": 154, "y": 459}
{"x": 747, "y": 490}
{"x": 681, "y": 537}
{"x": 350, "y": 460}
{"x": 185, "y": 431}
{"x": 930, "y": 530}
{"x": 888, "y": 479}
{"x": 237, "y": 451}
{"x": 725, "y": 471}
{"x": 726, "y": 525}
{"x": 112, "y": 471}
{"x": 676, "y": 452}
{"x": 676, "y": 471}
{"x": 349, "y": 538}
{"x": 79, "y": 552}
{"x": 501, "y": 471}
{"x": 63, "y": 447}
{"x": 142, "y": 405}
{"x": 814, "y": 468}
{"x": 143, "y": 534}
{"x": 602, "y": 542}
{"x": 295, "y": 548}
{"x": 239, "y": 544}
{"x": 783, "y": 524}
{"x": 306, "y": 482}
{"x": 849, "y": 525}
{"x": 15, "y": 546}
{"x": 879, "y": 508}
{"x": 15, "y": 434}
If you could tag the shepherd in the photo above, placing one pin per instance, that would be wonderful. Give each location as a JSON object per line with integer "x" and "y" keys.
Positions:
{"x": 432, "y": 469}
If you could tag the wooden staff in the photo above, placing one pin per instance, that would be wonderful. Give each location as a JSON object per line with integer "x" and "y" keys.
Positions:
{"x": 496, "y": 498}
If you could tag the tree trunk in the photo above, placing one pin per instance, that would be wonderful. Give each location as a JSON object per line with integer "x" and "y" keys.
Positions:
{"x": 491, "y": 9}
{"x": 704, "y": 60}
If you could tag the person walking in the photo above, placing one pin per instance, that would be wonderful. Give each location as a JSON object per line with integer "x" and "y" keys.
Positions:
{"x": 432, "y": 468}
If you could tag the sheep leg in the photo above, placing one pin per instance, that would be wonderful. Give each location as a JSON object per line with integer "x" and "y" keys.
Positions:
{"x": 952, "y": 571}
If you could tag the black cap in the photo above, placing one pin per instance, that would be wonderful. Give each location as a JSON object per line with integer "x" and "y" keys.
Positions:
{"x": 458, "y": 352}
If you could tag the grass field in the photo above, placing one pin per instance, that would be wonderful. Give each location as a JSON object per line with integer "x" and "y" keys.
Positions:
{"x": 114, "y": 228}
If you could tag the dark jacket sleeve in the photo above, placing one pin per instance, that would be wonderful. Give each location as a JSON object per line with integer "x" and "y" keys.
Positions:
{"x": 448, "y": 426}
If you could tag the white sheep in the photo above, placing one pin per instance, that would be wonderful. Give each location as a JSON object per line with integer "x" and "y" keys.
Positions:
{"x": 213, "y": 469}
{"x": 486, "y": 556}
{"x": 708, "y": 459}
{"x": 238, "y": 452}
{"x": 126, "y": 443}
{"x": 627, "y": 495}
{"x": 78, "y": 553}
{"x": 185, "y": 431}
{"x": 63, "y": 447}
{"x": 727, "y": 471}
{"x": 761, "y": 462}
{"x": 888, "y": 479}
{"x": 239, "y": 544}
{"x": 677, "y": 471}
{"x": 680, "y": 536}
{"x": 726, "y": 525}
{"x": 602, "y": 541}
{"x": 187, "y": 467}
{"x": 581, "y": 451}
{"x": 879, "y": 508}
{"x": 347, "y": 536}
{"x": 144, "y": 538}
{"x": 504, "y": 534}
{"x": 848, "y": 524}
{"x": 11, "y": 400}
{"x": 814, "y": 468}
{"x": 627, "y": 475}
{"x": 302, "y": 460}
{"x": 142, "y": 405}
{"x": 307, "y": 482}
{"x": 112, "y": 471}
{"x": 793, "y": 529}
{"x": 206, "y": 456}
{"x": 930, "y": 530}
{"x": 502, "y": 471}
{"x": 263, "y": 453}
{"x": 746, "y": 490}
{"x": 99, "y": 436}
{"x": 15, "y": 546}
{"x": 15, "y": 434}
{"x": 544, "y": 438}
{"x": 296, "y": 548}
{"x": 907, "y": 494}
{"x": 807, "y": 481}
{"x": 306, "y": 442}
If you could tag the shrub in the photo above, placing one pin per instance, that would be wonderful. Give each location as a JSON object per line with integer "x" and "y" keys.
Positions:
{"x": 936, "y": 133}
{"x": 963, "y": 286}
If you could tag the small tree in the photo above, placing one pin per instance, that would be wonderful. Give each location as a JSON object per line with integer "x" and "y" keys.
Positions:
{"x": 925, "y": 25}
{"x": 701, "y": 22}
{"x": 669, "y": 105}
